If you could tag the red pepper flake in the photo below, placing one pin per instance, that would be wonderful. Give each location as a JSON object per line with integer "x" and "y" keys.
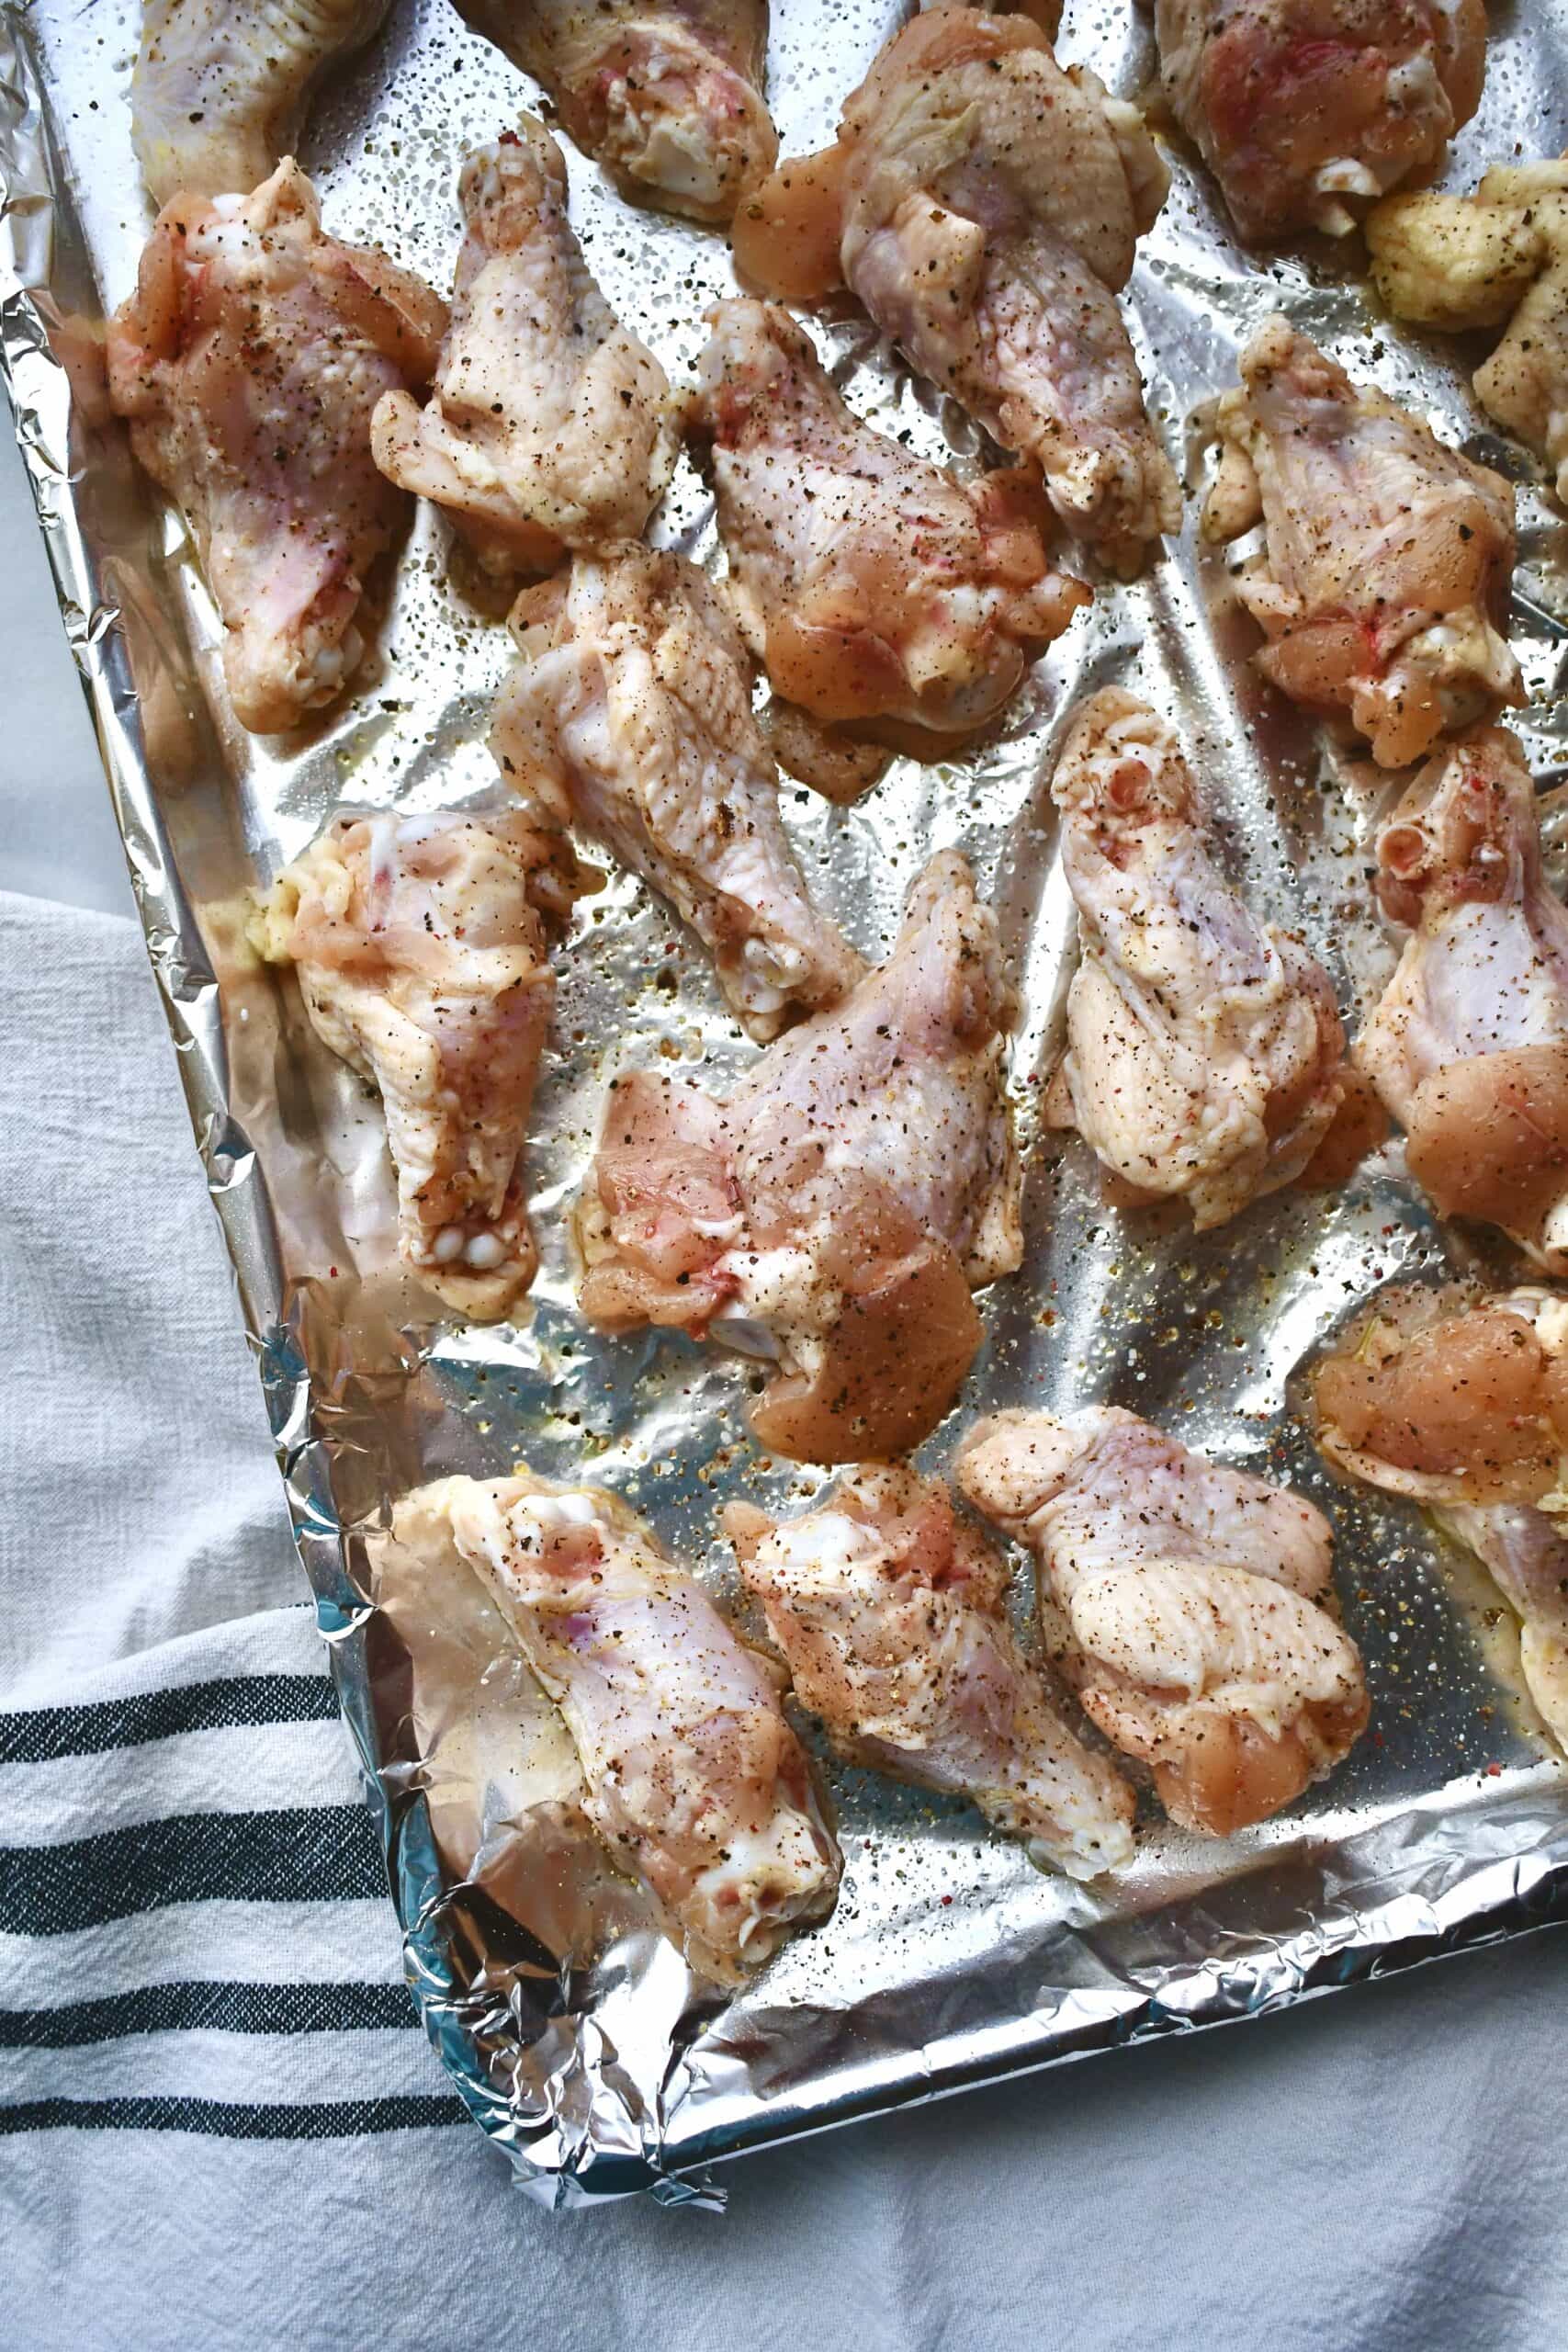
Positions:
{"x": 947, "y": 1898}
{"x": 1493, "y": 1771}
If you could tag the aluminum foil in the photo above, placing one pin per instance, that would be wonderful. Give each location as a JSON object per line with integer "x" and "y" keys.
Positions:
{"x": 576, "y": 2034}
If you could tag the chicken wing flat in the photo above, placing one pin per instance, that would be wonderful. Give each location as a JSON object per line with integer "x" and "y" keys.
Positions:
{"x": 890, "y": 1612}
{"x": 629, "y": 713}
{"x": 984, "y": 206}
{"x": 695, "y": 1782}
{"x": 1302, "y": 107}
{"x": 220, "y": 85}
{"x": 421, "y": 950}
{"x": 549, "y": 425}
{"x": 835, "y": 1213}
{"x": 1384, "y": 587}
{"x": 869, "y": 583}
{"x": 1496, "y": 259}
{"x": 1182, "y": 1601}
{"x": 665, "y": 94}
{"x": 1205, "y": 1053}
{"x": 248, "y": 363}
{"x": 1469, "y": 1048}
{"x": 1461, "y": 1403}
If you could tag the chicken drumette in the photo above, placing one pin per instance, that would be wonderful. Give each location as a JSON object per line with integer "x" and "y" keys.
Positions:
{"x": 872, "y": 584}
{"x": 694, "y": 1780}
{"x": 1301, "y": 107}
{"x": 629, "y": 713}
{"x": 421, "y": 949}
{"x": 220, "y": 84}
{"x": 548, "y": 425}
{"x": 1204, "y": 1052}
{"x": 666, "y": 94}
{"x": 984, "y": 205}
{"x": 1469, "y": 1048}
{"x": 249, "y": 361}
{"x": 891, "y": 1613}
{"x": 1383, "y": 590}
{"x": 1496, "y": 259}
{"x": 834, "y": 1213}
{"x": 1462, "y": 1403}
{"x": 1182, "y": 1601}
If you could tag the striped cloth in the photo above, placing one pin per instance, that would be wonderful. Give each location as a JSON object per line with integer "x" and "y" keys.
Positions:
{"x": 194, "y": 1932}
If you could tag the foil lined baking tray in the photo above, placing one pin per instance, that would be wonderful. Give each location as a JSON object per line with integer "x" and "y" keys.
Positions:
{"x": 575, "y": 2034}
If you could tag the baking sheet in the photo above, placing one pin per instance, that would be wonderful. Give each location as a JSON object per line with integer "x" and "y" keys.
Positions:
{"x": 575, "y": 2034}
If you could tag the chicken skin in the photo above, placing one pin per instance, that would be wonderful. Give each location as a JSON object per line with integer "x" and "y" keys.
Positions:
{"x": 1300, "y": 108}
{"x": 835, "y": 1213}
{"x": 421, "y": 951}
{"x": 1205, "y": 1053}
{"x": 1462, "y": 1403}
{"x": 695, "y": 1782}
{"x": 665, "y": 94}
{"x": 248, "y": 363}
{"x": 629, "y": 713}
{"x": 869, "y": 583}
{"x": 1496, "y": 259}
{"x": 984, "y": 206}
{"x": 549, "y": 425}
{"x": 890, "y": 1612}
{"x": 1384, "y": 587}
{"x": 1469, "y": 1048}
{"x": 220, "y": 85}
{"x": 1182, "y": 1601}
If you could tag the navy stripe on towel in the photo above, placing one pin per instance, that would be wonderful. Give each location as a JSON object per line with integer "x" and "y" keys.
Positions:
{"x": 211, "y": 2009}
{"x": 228, "y": 2120}
{"x": 36, "y": 1734}
{"x": 298, "y": 1854}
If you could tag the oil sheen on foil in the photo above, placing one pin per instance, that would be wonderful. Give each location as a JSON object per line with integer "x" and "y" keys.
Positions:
{"x": 576, "y": 2034}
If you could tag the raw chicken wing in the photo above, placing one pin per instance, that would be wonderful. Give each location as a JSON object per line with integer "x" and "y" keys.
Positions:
{"x": 220, "y": 85}
{"x": 666, "y": 94}
{"x": 694, "y": 1780}
{"x": 1389, "y": 561}
{"x": 1181, "y": 1599}
{"x": 1469, "y": 1048}
{"x": 421, "y": 953}
{"x": 835, "y": 1213}
{"x": 548, "y": 426}
{"x": 1204, "y": 1052}
{"x": 984, "y": 205}
{"x": 1298, "y": 106}
{"x": 1462, "y": 1403}
{"x": 248, "y": 362}
{"x": 872, "y": 584}
{"x": 891, "y": 1613}
{"x": 1496, "y": 259}
{"x": 629, "y": 713}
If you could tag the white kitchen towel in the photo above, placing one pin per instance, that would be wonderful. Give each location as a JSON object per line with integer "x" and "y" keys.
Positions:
{"x": 221, "y": 2128}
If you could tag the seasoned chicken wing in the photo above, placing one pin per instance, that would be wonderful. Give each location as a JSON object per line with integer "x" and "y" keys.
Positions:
{"x": 548, "y": 425}
{"x": 1496, "y": 259}
{"x": 1182, "y": 1600}
{"x": 871, "y": 584}
{"x": 891, "y": 1614}
{"x": 984, "y": 205}
{"x": 1469, "y": 1048}
{"x": 666, "y": 94}
{"x": 1300, "y": 108}
{"x": 1384, "y": 587}
{"x": 834, "y": 1213}
{"x": 1205, "y": 1053}
{"x": 421, "y": 951}
{"x": 248, "y": 363}
{"x": 1462, "y": 1403}
{"x": 220, "y": 85}
{"x": 694, "y": 1780}
{"x": 629, "y": 713}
